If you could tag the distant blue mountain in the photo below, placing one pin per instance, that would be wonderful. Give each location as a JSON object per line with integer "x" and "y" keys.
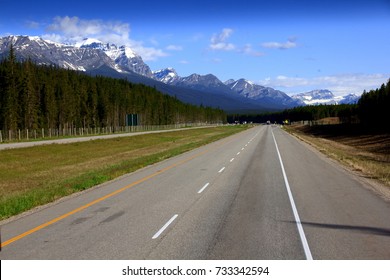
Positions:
{"x": 324, "y": 96}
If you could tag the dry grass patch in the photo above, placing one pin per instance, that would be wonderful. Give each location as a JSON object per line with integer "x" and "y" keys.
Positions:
{"x": 366, "y": 152}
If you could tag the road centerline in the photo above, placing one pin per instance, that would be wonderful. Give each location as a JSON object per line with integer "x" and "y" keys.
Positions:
{"x": 114, "y": 193}
{"x": 204, "y": 187}
{"x": 221, "y": 170}
{"x": 158, "y": 233}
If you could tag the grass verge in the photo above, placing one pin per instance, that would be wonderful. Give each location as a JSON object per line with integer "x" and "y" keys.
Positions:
{"x": 39, "y": 175}
{"x": 366, "y": 153}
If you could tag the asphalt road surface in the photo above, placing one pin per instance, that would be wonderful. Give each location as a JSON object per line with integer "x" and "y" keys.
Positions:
{"x": 260, "y": 194}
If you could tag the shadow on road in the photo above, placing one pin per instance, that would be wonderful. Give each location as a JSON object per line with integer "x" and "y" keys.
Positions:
{"x": 362, "y": 229}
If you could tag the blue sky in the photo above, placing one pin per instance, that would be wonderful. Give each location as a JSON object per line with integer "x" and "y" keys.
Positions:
{"x": 290, "y": 45}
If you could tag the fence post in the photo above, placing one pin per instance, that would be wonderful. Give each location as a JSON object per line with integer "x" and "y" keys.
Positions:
{"x": 43, "y": 133}
{"x": 27, "y": 134}
{"x": 1, "y": 137}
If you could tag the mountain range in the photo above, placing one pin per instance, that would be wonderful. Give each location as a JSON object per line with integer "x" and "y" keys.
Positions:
{"x": 326, "y": 97}
{"x": 97, "y": 58}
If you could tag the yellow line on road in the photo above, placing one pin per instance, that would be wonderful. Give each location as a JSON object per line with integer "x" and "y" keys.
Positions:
{"x": 81, "y": 208}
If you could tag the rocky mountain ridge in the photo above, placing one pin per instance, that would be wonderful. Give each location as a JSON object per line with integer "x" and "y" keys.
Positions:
{"x": 98, "y": 58}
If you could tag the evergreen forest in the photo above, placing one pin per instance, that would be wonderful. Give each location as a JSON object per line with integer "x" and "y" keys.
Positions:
{"x": 38, "y": 96}
{"x": 372, "y": 110}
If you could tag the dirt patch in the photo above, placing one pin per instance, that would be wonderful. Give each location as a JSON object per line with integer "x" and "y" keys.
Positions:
{"x": 378, "y": 144}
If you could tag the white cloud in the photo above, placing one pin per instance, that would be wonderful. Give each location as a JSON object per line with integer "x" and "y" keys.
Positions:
{"x": 281, "y": 46}
{"x": 73, "y": 29}
{"x": 218, "y": 41}
{"x": 338, "y": 84}
{"x": 248, "y": 50}
{"x": 174, "y": 48}
{"x": 147, "y": 53}
{"x": 54, "y": 37}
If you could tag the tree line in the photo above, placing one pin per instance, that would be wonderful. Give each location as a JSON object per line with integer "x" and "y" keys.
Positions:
{"x": 374, "y": 106}
{"x": 371, "y": 110}
{"x": 346, "y": 113}
{"x": 37, "y": 96}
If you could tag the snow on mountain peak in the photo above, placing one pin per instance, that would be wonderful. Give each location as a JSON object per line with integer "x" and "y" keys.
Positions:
{"x": 112, "y": 50}
{"x": 129, "y": 52}
{"x": 123, "y": 56}
{"x": 88, "y": 42}
{"x": 34, "y": 38}
{"x": 167, "y": 75}
{"x": 324, "y": 96}
{"x": 249, "y": 82}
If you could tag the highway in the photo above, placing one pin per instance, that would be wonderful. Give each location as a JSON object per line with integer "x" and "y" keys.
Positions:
{"x": 259, "y": 194}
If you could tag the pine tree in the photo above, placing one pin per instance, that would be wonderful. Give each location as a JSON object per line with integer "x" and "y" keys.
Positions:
{"x": 11, "y": 106}
{"x": 30, "y": 97}
{"x": 35, "y": 97}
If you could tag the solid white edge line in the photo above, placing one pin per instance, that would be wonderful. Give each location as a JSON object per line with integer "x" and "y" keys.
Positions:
{"x": 222, "y": 169}
{"x": 294, "y": 208}
{"x": 165, "y": 226}
{"x": 203, "y": 188}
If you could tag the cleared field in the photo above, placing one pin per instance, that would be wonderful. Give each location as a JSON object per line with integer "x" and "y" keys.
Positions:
{"x": 38, "y": 175}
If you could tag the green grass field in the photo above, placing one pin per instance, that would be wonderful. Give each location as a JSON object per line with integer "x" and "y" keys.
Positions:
{"x": 35, "y": 176}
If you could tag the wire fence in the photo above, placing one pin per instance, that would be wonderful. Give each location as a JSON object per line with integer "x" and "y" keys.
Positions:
{"x": 21, "y": 135}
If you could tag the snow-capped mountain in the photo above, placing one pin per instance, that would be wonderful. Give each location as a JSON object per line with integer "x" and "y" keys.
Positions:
{"x": 349, "y": 99}
{"x": 50, "y": 53}
{"x": 167, "y": 76}
{"x": 87, "y": 55}
{"x": 100, "y": 58}
{"x": 123, "y": 56}
{"x": 207, "y": 82}
{"x": 253, "y": 91}
{"x": 324, "y": 96}
{"x": 97, "y": 58}
{"x": 244, "y": 88}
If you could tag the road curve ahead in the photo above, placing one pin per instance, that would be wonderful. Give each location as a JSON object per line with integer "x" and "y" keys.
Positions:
{"x": 260, "y": 194}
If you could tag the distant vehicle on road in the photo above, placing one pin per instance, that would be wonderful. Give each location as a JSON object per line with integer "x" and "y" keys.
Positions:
{"x": 268, "y": 122}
